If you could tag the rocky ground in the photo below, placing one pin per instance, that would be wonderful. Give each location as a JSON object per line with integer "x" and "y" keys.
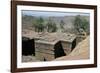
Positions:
{"x": 29, "y": 59}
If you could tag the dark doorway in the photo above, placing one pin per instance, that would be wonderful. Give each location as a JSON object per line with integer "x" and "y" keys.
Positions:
{"x": 45, "y": 59}
{"x": 58, "y": 50}
{"x": 28, "y": 47}
{"x": 73, "y": 44}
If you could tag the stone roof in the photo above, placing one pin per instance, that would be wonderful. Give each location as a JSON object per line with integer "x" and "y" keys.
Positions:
{"x": 49, "y": 37}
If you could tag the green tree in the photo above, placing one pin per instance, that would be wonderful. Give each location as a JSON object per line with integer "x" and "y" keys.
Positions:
{"x": 81, "y": 24}
{"x": 62, "y": 25}
{"x": 39, "y": 24}
{"x": 85, "y": 25}
{"x": 35, "y": 24}
{"x": 54, "y": 27}
{"x": 77, "y": 23}
{"x": 51, "y": 26}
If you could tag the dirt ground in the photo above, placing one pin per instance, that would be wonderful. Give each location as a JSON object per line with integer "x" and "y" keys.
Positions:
{"x": 29, "y": 59}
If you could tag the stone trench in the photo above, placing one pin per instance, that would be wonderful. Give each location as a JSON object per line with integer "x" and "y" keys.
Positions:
{"x": 46, "y": 52}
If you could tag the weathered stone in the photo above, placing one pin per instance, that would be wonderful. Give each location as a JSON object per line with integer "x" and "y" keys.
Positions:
{"x": 45, "y": 51}
{"x": 79, "y": 38}
{"x": 49, "y": 46}
{"x": 48, "y": 57}
{"x": 66, "y": 45}
{"x": 43, "y": 45}
{"x": 67, "y": 51}
{"x": 44, "y": 56}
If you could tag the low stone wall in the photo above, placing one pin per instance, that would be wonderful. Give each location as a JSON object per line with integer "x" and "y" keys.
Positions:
{"x": 68, "y": 46}
{"x": 40, "y": 45}
{"x": 44, "y": 51}
{"x": 50, "y": 52}
{"x": 44, "y": 56}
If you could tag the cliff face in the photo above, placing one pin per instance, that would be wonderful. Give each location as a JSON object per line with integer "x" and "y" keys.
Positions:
{"x": 81, "y": 51}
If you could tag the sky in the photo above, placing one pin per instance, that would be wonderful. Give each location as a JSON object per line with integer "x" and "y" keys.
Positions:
{"x": 51, "y": 13}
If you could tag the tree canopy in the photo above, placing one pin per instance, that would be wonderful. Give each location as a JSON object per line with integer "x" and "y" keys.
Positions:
{"x": 81, "y": 24}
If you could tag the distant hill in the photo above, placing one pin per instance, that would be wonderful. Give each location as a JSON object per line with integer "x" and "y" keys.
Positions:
{"x": 27, "y": 21}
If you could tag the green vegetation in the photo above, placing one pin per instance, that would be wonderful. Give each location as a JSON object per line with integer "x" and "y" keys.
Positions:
{"x": 81, "y": 24}
{"x": 40, "y": 26}
{"x": 62, "y": 25}
{"x": 51, "y": 26}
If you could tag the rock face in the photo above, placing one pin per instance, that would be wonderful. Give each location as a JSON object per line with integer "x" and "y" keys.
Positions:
{"x": 54, "y": 45}
{"x": 81, "y": 51}
{"x": 49, "y": 46}
{"x": 47, "y": 51}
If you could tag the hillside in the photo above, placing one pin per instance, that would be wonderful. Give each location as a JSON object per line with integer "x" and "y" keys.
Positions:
{"x": 27, "y": 22}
